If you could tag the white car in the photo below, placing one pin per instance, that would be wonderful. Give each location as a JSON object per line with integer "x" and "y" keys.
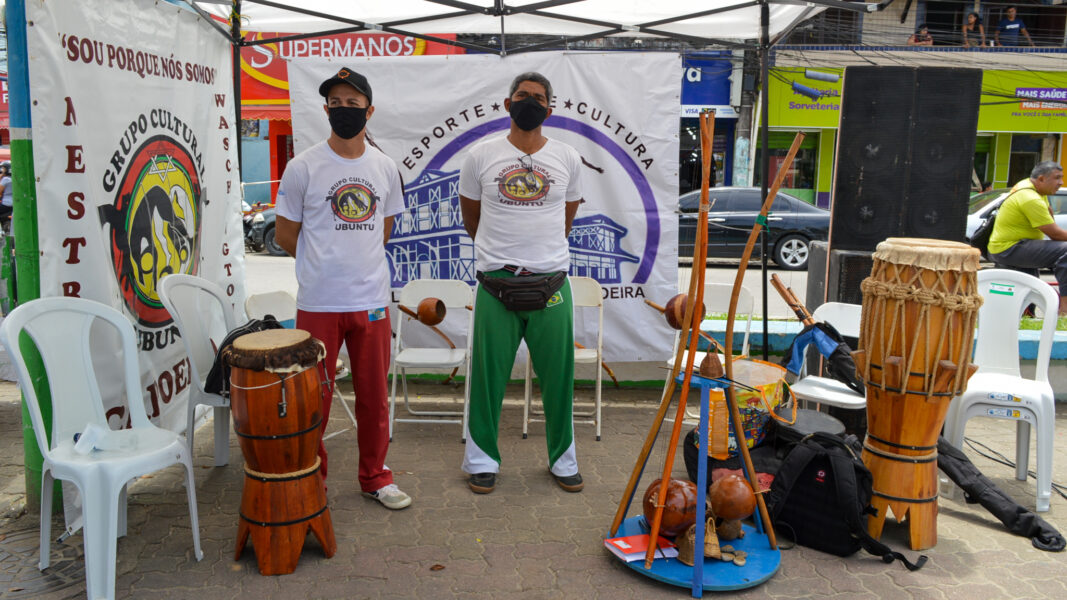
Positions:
{"x": 981, "y": 204}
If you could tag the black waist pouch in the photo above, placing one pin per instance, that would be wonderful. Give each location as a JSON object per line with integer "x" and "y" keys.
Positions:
{"x": 525, "y": 292}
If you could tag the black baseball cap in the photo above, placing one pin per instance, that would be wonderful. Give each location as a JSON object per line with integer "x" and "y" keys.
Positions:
{"x": 346, "y": 75}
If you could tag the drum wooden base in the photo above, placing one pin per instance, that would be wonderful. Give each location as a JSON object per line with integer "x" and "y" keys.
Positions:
{"x": 910, "y": 491}
{"x": 277, "y": 511}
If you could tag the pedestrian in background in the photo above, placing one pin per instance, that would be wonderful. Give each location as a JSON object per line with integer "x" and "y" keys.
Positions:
{"x": 921, "y": 37}
{"x": 1009, "y": 28}
{"x": 973, "y": 31}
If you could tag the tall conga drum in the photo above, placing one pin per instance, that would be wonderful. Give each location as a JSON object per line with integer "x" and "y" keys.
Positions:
{"x": 276, "y": 401}
{"x": 920, "y": 306}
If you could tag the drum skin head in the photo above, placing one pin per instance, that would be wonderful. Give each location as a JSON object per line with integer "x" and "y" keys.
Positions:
{"x": 275, "y": 350}
{"x": 271, "y": 339}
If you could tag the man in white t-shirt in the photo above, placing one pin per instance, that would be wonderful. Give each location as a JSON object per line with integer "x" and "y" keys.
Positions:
{"x": 334, "y": 211}
{"x": 519, "y": 194}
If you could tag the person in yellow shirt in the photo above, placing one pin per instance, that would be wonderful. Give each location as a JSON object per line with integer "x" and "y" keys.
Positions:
{"x": 1022, "y": 223}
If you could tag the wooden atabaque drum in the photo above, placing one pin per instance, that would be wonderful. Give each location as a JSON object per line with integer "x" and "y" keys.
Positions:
{"x": 920, "y": 306}
{"x": 276, "y": 401}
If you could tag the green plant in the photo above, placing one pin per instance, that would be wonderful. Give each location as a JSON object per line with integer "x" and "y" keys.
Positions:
{"x": 1032, "y": 323}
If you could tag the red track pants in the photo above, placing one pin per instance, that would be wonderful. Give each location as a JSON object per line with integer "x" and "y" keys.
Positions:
{"x": 368, "y": 345}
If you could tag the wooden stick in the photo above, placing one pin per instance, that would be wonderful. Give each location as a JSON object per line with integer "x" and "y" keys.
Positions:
{"x": 407, "y": 311}
{"x": 661, "y": 412}
{"x": 707, "y": 127}
{"x": 707, "y": 337}
{"x": 792, "y": 301}
{"x": 607, "y": 369}
{"x": 731, "y": 392}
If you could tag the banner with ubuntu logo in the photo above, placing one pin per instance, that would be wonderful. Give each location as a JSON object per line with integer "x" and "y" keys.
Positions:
{"x": 136, "y": 165}
{"x": 430, "y": 110}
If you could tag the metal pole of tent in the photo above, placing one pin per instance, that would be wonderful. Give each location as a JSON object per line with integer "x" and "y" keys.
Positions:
{"x": 235, "y": 48}
{"x": 765, "y": 162}
{"x": 24, "y": 230}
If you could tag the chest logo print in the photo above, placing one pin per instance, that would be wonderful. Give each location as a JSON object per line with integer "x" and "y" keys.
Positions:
{"x": 353, "y": 203}
{"x": 523, "y": 185}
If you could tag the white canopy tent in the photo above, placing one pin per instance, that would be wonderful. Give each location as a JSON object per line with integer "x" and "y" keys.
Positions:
{"x": 743, "y": 24}
{"x": 709, "y": 21}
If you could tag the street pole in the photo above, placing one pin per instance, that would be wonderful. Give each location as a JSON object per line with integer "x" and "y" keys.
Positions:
{"x": 765, "y": 162}
{"x": 27, "y": 248}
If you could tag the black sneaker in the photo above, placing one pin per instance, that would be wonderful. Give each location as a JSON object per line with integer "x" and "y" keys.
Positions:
{"x": 482, "y": 483}
{"x": 571, "y": 483}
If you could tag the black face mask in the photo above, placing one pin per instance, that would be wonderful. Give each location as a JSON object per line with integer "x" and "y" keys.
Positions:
{"x": 528, "y": 113}
{"x": 347, "y": 121}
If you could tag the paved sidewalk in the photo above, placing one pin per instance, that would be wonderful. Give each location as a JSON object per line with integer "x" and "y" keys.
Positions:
{"x": 528, "y": 539}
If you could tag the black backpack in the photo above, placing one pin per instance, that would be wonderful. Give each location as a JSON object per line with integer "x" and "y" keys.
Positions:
{"x": 982, "y": 233}
{"x": 980, "y": 238}
{"x": 218, "y": 378}
{"x": 821, "y": 495}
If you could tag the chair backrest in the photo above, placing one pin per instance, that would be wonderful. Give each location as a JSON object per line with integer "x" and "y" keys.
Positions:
{"x": 456, "y": 295}
{"x": 453, "y": 292}
{"x": 279, "y": 303}
{"x": 203, "y": 315}
{"x": 846, "y": 318}
{"x": 68, "y": 333}
{"x": 1006, "y": 294}
{"x": 586, "y": 292}
{"x": 717, "y": 300}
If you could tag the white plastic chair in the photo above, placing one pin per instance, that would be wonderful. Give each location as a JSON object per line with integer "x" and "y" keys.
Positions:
{"x": 846, "y": 319}
{"x": 585, "y": 293}
{"x": 457, "y": 297}
{"x": 716, "y": 300}
{"x": 68, "y": 332}
{"x": 998, "y": 389}
{"x": 282, "y": 306}
{"x": 196, "y": 304}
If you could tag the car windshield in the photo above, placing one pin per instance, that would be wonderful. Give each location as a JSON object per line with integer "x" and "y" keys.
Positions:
{"x": 1058, "y": 201}
{"x": 978, "y": 201}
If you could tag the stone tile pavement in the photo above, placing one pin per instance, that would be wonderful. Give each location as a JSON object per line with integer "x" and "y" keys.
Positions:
{"x": 528, "y": 539}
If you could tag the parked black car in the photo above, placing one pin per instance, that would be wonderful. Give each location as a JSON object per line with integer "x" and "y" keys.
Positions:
{"x": 262, "y": 235}
{"x": 792, "y": 225}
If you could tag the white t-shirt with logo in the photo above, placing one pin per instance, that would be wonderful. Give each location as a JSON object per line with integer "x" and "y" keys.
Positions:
{"x": 523, "y": 198}
{"x": 342, "y": 204}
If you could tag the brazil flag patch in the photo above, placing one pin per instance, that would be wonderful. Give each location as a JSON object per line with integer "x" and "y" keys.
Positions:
{"x": 554, "y": 300}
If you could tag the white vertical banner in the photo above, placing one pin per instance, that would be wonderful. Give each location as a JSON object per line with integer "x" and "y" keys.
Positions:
{"x": 135, "y": 152}
{"x": 430, "y": 110}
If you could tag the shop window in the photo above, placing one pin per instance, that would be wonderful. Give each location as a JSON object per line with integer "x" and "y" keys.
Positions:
{"x": 1025, "y": 153}
{"x": 801, "y": 175}
{"x": 981, "y": 168}
{"x": 689, "y": 167}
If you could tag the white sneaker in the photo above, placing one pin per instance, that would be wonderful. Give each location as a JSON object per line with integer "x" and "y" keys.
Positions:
{"x": 391, "y": 497}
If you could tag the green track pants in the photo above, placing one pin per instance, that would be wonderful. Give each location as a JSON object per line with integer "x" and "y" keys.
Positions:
{"x": 549, "y": 335}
